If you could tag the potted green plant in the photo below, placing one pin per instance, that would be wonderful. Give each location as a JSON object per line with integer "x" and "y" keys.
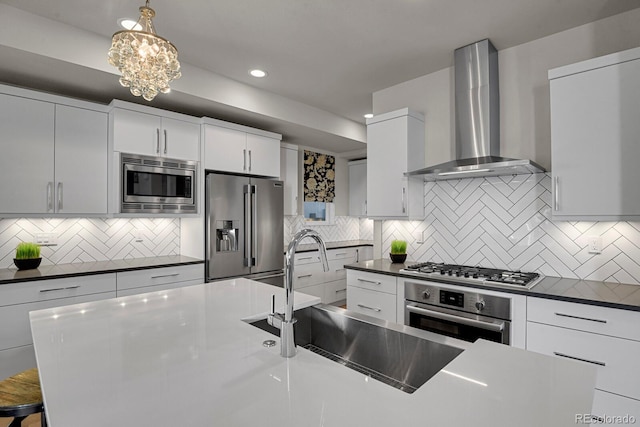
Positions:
{"x": 398, "y": 251}
{"x": 27, "y": 256}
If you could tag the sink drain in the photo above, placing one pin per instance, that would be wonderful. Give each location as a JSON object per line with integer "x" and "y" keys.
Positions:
{"x": 269, "y": 343}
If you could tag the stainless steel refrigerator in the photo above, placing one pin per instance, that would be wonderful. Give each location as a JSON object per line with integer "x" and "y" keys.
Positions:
{"x": 244, "y": 218}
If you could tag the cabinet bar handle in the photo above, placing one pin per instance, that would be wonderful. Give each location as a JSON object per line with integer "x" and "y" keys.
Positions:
{"x": 59, "y": 289}
{"x": 369, "y": 281}
{"x": 59, "y": 196}
{"x": 341, "y": 253}
{"x": 306, "y": 275}
{"x": 404, "y": 209}
{"x": 49, "y": 196}
{"x": 165, "y": 275}
{"x": 249, "y": 160}
{"x": 594, "y": 362}
{"x": 244, "y": 155}
{"x": 341, "y": 290}
{"x": 581, "y": 318}
{"x": 307, "y": 257}
{"x": 165, "y": 141}
{"x": 377, "y": 310}
{"x": 555, "y": 195}
{"x": 157, "y": 140}
{"x": 340, "y": 269}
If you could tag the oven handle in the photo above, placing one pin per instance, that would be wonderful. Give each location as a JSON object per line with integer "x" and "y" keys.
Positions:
{"x": 497, "y": 327}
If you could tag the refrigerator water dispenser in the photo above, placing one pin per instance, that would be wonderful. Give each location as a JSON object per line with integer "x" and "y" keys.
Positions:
{"x": 227, "y": 236}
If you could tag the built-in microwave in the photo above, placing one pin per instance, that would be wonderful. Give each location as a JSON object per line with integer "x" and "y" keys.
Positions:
{"x": 157, "y": 184}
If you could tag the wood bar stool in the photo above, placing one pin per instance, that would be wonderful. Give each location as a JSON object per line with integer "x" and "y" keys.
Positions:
{"x": 20, "y": 396}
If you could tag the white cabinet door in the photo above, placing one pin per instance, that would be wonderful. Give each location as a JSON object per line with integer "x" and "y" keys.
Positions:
{"x": 225, "y": 149}
{"x": 80, "y": 161}
{"x": 136, "y": 132}
{"x": 180, "y": 139}
{"x": 395, "y": 145}
{"x": 358, "y": 188}
{"x": 595, "y": 123}
{"x": 263, "y": 155}
{"x": 289, "y": 175}
{"x": 26, "y": 164}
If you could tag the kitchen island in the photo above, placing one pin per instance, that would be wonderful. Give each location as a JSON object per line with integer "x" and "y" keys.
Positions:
{"x": 189, "y": 357}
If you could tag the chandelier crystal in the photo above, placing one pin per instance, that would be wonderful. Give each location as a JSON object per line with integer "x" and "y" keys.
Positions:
{"x": 147, "y": 62}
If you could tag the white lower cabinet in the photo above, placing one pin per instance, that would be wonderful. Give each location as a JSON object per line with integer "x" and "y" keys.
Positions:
{"x": 604, "y": 337}
{"x": 372, "y": 294}
{"x": 18, "y": 299}
{"x": 311, "y": 279}
{"x": 158, "y": 279}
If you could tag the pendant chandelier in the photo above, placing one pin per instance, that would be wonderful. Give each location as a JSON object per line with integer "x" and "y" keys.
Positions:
{"x": 147, "y": 62}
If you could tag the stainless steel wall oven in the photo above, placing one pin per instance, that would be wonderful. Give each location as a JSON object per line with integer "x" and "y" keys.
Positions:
{"x": 463, "y": 314}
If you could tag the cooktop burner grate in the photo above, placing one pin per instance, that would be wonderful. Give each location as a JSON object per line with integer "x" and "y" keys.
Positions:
{"x": 474, "y": 273}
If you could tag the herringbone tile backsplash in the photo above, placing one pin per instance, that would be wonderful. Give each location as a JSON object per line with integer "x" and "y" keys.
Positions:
{"x": 345, "y": 228}
{"x": 505, "y": 222}
{"x": 92, "y": 239}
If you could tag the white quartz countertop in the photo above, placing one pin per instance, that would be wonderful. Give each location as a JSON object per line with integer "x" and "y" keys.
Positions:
{"x": 185, "y": 357}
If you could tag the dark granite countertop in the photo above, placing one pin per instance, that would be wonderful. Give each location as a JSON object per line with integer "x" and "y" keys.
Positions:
{"x": 604, "y": 294}
{"x": 12, "y": 275}
{"x": 308, "y": 247}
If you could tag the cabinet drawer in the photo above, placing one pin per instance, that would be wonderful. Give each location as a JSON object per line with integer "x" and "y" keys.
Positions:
{"x": 600, "y": 320}
{"x": 608, "y": 404}
{"x": 344, "y": 253}
{"x": 307, "y": 275}
{"x": 372, "y": 303}
{"x": 377, "y": 282}
{"x": 315, "y": 290}
{"x": 306, "y": 258}
{"x": 156, "y": 288}
{"x": 16, "y": 330}
{"x": 44, "y": 290}
{"x": 335, "y": 291}
{"x": 616, "y": 358}
{"x": 160, "y": 276}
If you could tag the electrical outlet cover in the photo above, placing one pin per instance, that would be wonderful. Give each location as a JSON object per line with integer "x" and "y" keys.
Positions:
{"x": 594, "y": 243}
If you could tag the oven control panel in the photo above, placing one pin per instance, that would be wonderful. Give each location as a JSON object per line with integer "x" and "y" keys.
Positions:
{"x": 455, "y": 299}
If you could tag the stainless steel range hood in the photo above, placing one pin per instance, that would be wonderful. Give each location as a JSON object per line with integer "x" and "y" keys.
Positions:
{"x": 477, "y": 115}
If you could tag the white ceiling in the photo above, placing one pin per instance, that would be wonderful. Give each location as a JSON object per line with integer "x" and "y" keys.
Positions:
{"x": 329, "y": 54}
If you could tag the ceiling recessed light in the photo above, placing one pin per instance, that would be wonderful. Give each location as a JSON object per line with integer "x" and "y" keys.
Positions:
{"x": 129, "y": 24}
{"x": 258, "y": 73}
{"x": 368, "y": 116}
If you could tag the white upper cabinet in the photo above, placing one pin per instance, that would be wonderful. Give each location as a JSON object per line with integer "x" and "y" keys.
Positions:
{"x": 55, "y": 156}
{"x": 358, "y": 188}
{"x": 80, "y": 161}
{"x": 239, "y": 149}
{"x": 595, "y": 138}
{"x": 26, "y": 164}
{"x": 395, "y": 145}
{"x": 154, "y": 132}
{"x": 289, "y": 175}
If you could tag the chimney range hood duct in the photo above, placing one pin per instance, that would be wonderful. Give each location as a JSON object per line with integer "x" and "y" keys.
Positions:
{"x": 477, "y": 115}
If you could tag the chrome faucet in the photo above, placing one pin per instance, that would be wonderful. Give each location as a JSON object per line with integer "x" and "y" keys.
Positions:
{"x": 285, "y": 321}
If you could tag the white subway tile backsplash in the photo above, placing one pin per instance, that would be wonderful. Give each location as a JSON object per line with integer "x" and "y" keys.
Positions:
{"x": 505, "y": 222}
{"x": 91, "y": 239}
{"x": 345, "y": 228}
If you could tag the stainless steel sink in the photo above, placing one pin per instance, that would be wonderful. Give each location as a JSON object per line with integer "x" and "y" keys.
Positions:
{"x": 397, "y": 355}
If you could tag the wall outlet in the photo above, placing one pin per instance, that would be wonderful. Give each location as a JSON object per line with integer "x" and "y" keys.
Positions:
{"x": 594, "y": 244}
{"x": 138, "y": 235}
{"x": 47, "y": 239}
{"x": 418, "y": 237}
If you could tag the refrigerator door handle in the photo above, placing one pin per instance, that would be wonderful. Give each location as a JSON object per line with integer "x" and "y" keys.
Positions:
{"x": 247, "y": 226}
{"x": 254, "y": 225}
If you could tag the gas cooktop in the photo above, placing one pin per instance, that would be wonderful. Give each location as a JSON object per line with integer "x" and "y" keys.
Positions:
{"x": 468, "y": 274}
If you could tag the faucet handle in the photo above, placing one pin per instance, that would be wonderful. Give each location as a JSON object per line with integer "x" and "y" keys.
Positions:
{"x": 274, "y": 319}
